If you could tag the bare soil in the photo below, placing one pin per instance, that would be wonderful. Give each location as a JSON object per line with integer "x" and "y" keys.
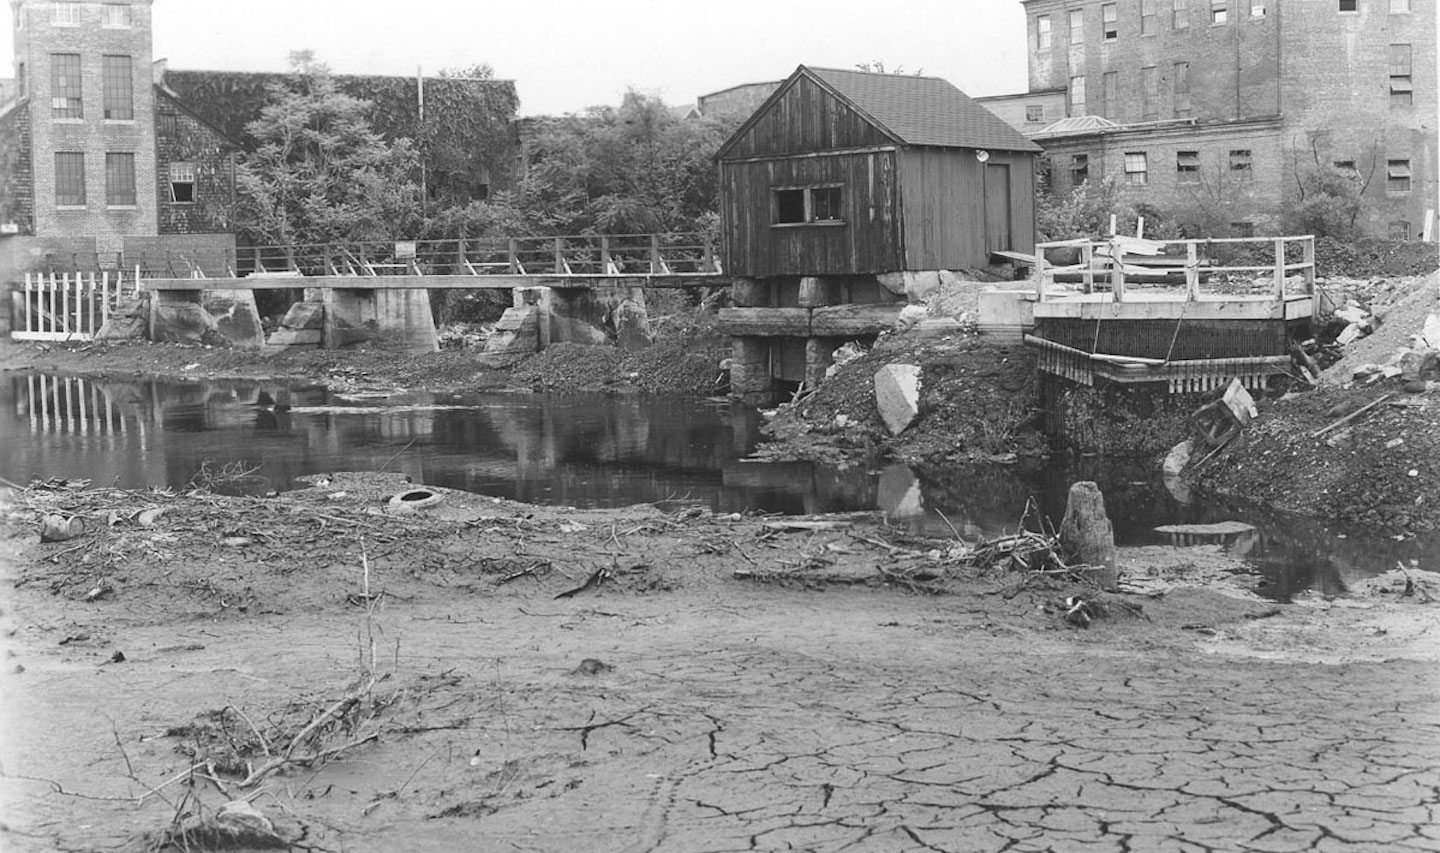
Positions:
{"x": 446, "y": 678}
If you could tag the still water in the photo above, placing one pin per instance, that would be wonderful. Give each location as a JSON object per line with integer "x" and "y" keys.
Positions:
{"x": 592, "y": 451}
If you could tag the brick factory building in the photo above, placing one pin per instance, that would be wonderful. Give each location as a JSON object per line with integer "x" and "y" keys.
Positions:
{"x": 1228, "y": 104}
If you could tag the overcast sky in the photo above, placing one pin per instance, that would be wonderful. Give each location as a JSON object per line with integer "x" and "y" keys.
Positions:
{"x": 565, "y": 55}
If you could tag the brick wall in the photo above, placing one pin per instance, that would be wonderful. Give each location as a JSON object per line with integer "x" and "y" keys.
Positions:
{"x": 180, "y": 137}
{"x": 17, "y": 176}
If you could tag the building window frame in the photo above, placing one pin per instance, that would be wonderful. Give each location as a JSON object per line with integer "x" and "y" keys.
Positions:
{"x": 1257, "y": 9}
{"x": 1397, "y": 177}
{"x": 66, "y": 13}
{"x": 1400, "y": 7}
{"x": 1034, "y": 113}
{"x": 1180, "y": 86}
{"x": 1110, "y": 95}
{"x": 70, "y": 180}
{"x": 1149, "y": 93}
{"x": 1348, "y": 7}
{"x": 1137, "y": 168}
{"x": 1180, "y": 14}
{"x": 182, "y": 182}
{"x": 1148, "y": 16}
{"x": 1079, "y": 169}
{"x": 1187, "y": 167}
{"x": 1399, "y": 229}
{"x": 1044, "y": 37}
{"x": 118, "y": 16}
{"x": 806, "y": 205}
{"x": 120, "y": 179}
{"x": 1077, "y": 95}
{"x": 1242, "y": 164}
{"x": 117, "y": 87}
{"x": 1219, "y": 12}
{"x": 1402, "y": 87}
{"x": 1076, "y": 22}
{"x": 67, "y": 96}
{"x": 1110, "y": 22}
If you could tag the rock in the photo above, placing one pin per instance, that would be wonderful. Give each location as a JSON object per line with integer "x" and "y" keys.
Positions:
{"x": 1087, "y": 534}
{"x": 897, "y": 395}
{"x": 1350, "y": 334}
{"x": 1416, "y": 386}
{"x": 1178, "y": 458}
{"x": 1420, "y": 364}
{"x": 1431, "y": 331}
{"x": 632, "y": 326}
{"x": 180, "y": 323}
{"x": 305, "y": 315}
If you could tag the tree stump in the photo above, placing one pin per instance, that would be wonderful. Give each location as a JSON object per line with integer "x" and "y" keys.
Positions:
{"x": 1086, "y": 532}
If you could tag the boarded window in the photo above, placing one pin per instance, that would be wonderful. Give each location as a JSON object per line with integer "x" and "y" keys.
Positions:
{"x": 1219, "y": 11}
{"x": 1079, "y": 169}
{"x": 65, "y": 101}
{"x": 118, "y": 88}
{"x": 1077, "y": 96}
{"x": 169, "y": 122}
{"x": 1110, "y": 94}
{"x": 65, "y": 14}
{"x": 1401, "y": 88}
{"x": 1136, "y": 167}
{"x": 1187, "y": 167}
{"x": 1147, "y": 16}
{"x": 1180, "y": 14}
{"x": 1257, "y": 9}
{"x": 1077, "y": 26}
{"x": 120, "y": 179}
{"x": 1399, "y": 7}
{"x": 1400, "y": 230}
{"x": 1241, "y": 166}
{"x": 1042, "y": 32}
{"x": 182, "y": 182}
{"x": 1035, "y": 112}
{"x": 117, "y": 15}
{"x": 1110, "y": 22}
{"x": 1181, "y": 77}
{"x": 69, "y": 179}
{"x": 1149, "y": 93}
{"x": 1397, "y": 176}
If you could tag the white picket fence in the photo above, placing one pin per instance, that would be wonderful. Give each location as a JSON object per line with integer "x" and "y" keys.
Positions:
{"x": 68, "y": 306}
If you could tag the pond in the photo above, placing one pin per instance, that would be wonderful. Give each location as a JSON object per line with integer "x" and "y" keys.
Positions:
{"x": 596, "y": 451}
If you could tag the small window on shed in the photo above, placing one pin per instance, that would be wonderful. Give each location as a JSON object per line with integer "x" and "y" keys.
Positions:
{"x": 825, "y": 204}
{"x": 1136, "y": 167}
{"x": 789, "y": 207}
{"x": 182, "y": 183}
{"x": 1347, "y": 168}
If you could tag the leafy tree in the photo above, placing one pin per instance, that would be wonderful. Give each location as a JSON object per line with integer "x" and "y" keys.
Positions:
{"x": 319, "y": 172}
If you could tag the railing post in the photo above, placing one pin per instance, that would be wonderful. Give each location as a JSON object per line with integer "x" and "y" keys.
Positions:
{"x": 1192, "y": 272}
{"x": 1087, "y": 255}
{"x": 460, "y": 258}
{"x": 655, "y": 266}
{"x": 1308, "y": 247}
{"x": 559, "y": 257}
{"x": 604, "y": 254}
{"x": 259, "y": 267}
{"x": 290, "y": 265}
{"x": 514, "y": 256}
{"x": 1040, "y": 273}
{"x": 709, "y": 261}
{"x": 105, "y": 298}
{"x": 1280, "y": 269}
{"x": 1117, "y": 271}
{"x": 329, "y": 260}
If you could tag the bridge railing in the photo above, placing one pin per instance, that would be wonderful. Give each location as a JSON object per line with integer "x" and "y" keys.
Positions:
{"x": 678, "y": 253}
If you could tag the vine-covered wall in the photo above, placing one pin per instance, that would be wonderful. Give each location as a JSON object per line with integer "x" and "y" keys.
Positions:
{"x": 17, "y": 174}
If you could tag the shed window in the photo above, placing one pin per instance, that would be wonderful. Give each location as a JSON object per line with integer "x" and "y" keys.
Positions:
{"x": 65, "y": 99}
{"x": 1401, "y": 88}
{"x": 1397, "y": 176}
{"x": 69, "y": 179}
{"x": 65, "y": 14}
{"x": 1180, "y": 14}
{"x": 1110, "y": 21}
{"x": 1035, "y": 112}
{"x": 120, "y": 179}
{"x": 117, "y": 88}
{"x": 117, "y": 15}
{"x": 799, "y": 205}
{"x": 1400, "y": 230}
{"x": 1187, "y": 167}
{"x": 1219, "y": 12}
{"x": 1079, "y": 169}
{"x": 182, "y": 183}
{"x": 1042, "y": 32}
{"x": 1077, "y": 26}
{"x": 1147, "y": 16}
{"x": 1241, "y": 167}
{"x": 1136, "y": 167}
{"x": 1181, "y": 78}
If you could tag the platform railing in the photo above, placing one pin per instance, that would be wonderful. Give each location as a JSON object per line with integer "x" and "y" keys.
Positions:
{"x": 68, "y": 306}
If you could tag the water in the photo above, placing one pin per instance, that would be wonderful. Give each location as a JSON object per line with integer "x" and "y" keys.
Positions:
{"x": 595, "y": 451}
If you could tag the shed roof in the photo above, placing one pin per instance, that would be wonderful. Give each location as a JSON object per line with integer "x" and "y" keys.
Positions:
{"x": 922, "y": 110}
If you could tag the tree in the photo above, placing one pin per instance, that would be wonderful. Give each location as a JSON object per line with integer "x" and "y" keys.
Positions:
{"x": 319, "y": 172}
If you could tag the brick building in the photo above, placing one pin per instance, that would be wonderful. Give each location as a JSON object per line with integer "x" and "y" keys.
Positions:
{"x": 1227, "y": 104}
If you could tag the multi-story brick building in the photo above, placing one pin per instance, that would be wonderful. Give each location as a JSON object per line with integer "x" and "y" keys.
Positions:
{"x": 1230, "y": 104}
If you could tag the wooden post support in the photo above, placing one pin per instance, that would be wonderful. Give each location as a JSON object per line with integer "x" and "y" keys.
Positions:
{"x": 514, "y": 257}
{"x": 1087, "y": 534}
{"x": 1280, "y": 269}
{"x": 1192, "y": 272}
{"x": 1087, "y": 256}
{"x": 1309, "y": 258}
{"x": 259, "y": 267}
{"x": 655, "y": 254}
{"x": 559, "y": 257}
{"x": 605, "y": 254}
{"x": 1040, "y": 273}
{"x": 708, "y": 265}
{"x": 1117, "y": 271}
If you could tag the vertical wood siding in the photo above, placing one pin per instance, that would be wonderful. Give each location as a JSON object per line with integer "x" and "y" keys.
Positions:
{"x": 943, "y": 209}
{"x": 806, "y": 118}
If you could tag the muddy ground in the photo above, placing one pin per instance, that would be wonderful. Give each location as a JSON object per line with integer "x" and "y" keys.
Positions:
{"x": 728, "y": 683}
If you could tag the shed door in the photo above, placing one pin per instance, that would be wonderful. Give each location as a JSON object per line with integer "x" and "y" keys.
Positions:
{"x": 997, "y": 207}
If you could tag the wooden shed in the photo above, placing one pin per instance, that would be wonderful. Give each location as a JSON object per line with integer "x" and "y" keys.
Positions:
{"x": 850, "y": 172}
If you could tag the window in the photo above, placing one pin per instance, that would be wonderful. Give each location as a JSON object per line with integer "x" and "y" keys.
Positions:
{"x": 1257, "y": 9}
{"x": 1110, "y": 22}
{"x": 1180, "y": 14}
{"x": 1149, "y": 93}
{"x": 69, "y": 179}
{"x": 182, "y": 182}
{"x": 1136, "y": 167}
{"x": 118, "y": 90}
{"x": 1400, "y": 230}
{"x": 1042, "y": 32}
{"x": 1181, "y": 83}
{"x": 1079, "y": 169}
{"x": 797, "y": 206}
{"x": 1187, "y": 167}
{"x": 1399, "y": 7}
{"x": 1147, "y": 17}
{"x": 1035, "y": 112}
{"x": 1349, "y": 5}
{"x": 65, "y": 86}
{"x": 1401, "y": 90}
{"x": 169, "y": 122}
{"x": 1242, "y": 229}
{"x": 1110, "y": 94}
{"x": 1397, "y": 176}
{"x": 120, "y": 180}
{"x": 117, "y": 15}
{"x": 65, "y": 14}
{"x": 1077, "y": 96}
{"x": 1077, "y": 26}
{"x": 1219, "y": 13}
{"x": 1240, "y": 164}
{"x": 1347, "y": 168}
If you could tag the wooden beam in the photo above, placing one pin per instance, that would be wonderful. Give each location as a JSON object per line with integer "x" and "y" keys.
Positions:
{"x": 765, "y": 322}
{"x": 436, "y": 282}
{"x": 845, "y": 320}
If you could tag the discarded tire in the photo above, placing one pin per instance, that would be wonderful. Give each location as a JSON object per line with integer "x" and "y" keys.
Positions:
{"x": 416, "y": 499}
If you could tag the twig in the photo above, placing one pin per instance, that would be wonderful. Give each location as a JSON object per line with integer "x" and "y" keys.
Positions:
{"x": 264, "y": 744}
{"x": 382, "y": 468}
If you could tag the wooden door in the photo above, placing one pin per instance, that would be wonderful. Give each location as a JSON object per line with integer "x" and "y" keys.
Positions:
{"x": 997, "y": 207}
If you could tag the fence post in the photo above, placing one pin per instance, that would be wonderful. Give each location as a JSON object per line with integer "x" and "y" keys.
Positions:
{"x": 460, "y": 259}
{"x": 105, "y": 298}
{"x": 1117, "y": 271}
{"x": 514, "y": 256}
{"x": 604, "y": 254}
{"x": 1280, "y": 271}
{"x": 709, "y": 253}
{"x": 62, "y": 320}
{"x": 1087, "y": 255}
{"x": 655, "y": 254}
{"x": 1308, "y": 247}
{"x": 1192, "y": 272}
{"x": 259, "y": 267}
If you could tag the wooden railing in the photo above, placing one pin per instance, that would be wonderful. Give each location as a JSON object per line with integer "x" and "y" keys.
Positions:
{"x": 1186, "y": 264}
{"x": 69, "y": 307}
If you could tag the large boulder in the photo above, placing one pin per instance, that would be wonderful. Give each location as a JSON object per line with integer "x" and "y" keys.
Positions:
{"x": 897, "y": 395}
{"x": 182, "y": 323}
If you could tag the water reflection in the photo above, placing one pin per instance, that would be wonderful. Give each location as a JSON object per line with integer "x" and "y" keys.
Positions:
{"x": 600, "y": 451}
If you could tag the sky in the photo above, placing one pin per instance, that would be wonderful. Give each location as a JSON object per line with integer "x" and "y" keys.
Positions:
{"x": 565, "y": 55}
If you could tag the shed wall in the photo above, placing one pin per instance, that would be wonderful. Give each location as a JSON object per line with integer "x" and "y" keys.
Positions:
{"x": 943, "y": 206}
{"x": 806, "y": 118}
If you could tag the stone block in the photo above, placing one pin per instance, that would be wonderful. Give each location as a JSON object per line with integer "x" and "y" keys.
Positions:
{"x": 235, "y": 316}
{"x": 181, "y": 322}
{"x": 517, "y": 332}
{"x": 294, "y": 338}
{"x": 750, "y": 293}
{"x": 816, "y": 291}
{"x": 305, "y": 315}
{"x": 897, "y": 395}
